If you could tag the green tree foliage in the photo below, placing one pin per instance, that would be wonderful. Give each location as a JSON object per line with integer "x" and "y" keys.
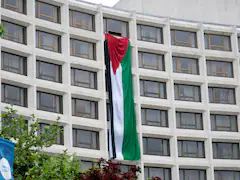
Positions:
{"x": 30, "y": 161}
{"x": 2, "y": 30}
{"x": 62, "y": 167}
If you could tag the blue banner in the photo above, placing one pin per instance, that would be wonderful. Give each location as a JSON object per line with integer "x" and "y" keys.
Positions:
{"x": 6, "y": 159}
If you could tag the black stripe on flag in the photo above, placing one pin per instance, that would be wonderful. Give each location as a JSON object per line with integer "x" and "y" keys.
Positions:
{"x": 109, "y": 85}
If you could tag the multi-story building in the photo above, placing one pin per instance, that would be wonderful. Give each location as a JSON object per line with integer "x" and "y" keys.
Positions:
{"x": 186, "y": 83}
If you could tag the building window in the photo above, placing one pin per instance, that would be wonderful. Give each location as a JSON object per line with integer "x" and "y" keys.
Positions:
{"x": 60, "y": 138}
{"x": 14, "y": 63}
{"x": 14, "y": 32}
{"x": 192, "y": 149}
{"x": 83, "y": 78}
{"x": 14, "y": 95}
{"x": 154, "y": 117}
{"x": 48, "y": 41}
{"x": 217, "y": 42}
{"x": 188, "y": 120}
{"x": 151, "y": 61}
{"x": 187, "y": 93}
{"x": 224, "y": 123}
{"x": 47, "y": 12}
{"x": 238, "y": 44}
{"x": 82, "y": 49}
{"x": 108, "y": 112}
{"x": 106, "y": 81}
{"x": 86, "y": 165}
{"x": 85, "y": 139}
{"x": 221, "y": 95}
{"x": 49, "y": 71}
{"x": 163, "y": 173}
{"x": 81, "y": 20}
{"x": 224, "y": 150}
{"x": 185, "y": 65}
{"x": 187, "y": 174}
{"x": 15, "y": 5}
{"x": 219, "y": 68}
{"x": 156, "y": 146}
{"x": 84, "y": 108}
{"x": 153, "y": 89}
{"x": 115, "y": 27}
{"x": 125, "y": 168}
{"x": 150, "y": 34}
{"x": 183, "y": 38}
{"x": 49, "y": 102}
{"x": 229, "y": 175}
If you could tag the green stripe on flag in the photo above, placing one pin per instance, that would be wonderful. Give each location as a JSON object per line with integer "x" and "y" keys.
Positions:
{"x": 130, "y": 147}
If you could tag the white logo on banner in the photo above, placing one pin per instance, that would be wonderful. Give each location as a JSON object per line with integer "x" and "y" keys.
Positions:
{"x": 5, "y": 169}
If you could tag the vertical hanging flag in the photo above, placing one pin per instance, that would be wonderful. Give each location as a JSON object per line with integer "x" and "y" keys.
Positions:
{"x": 6, "y": 159}
{"x": 123, "y": 139}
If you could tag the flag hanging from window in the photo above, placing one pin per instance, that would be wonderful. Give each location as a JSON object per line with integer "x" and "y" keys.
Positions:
{"x": 6, "y": 159}
{"x": 123, "y": 137}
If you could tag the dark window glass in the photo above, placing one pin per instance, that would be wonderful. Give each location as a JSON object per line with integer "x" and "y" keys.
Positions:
{"x": 217, "y": 42}
{"x": 85, "y": 139}
{"x": 226, "y": 175}
{"x": 15, "y": 5}
{"x": 48, "y": 71}
{"x": 185, "y": 65}
{"x": 47, "y": 12}
{"x": 82, "y": 49}
{"x": 153, "y": 89}
{"x": 115, "y": 27}
{"x": 47, "y": 41}
{"x": 192, "y": 174}
{"x": 85, "y": 108}
{"x": 49, "y": 102}
{"x": 81, "y": 20}
{"x": 224, "y": 123}
{"x": 108, "y": 112}
{"x": 151, "y": 61}
{"x": 156, "y": 146}
{"x": 154, "y": 117}
{"x": 14, "y": 95}
{"x": 221, "y": 95}
{"x": 86, "y": 165}
{"x": 106, "y": 81}
{"x": 150, "y": 34}
{"x": 124, "y": 168}
{"x": 192, "y": 149}
{"x": 14, "y": 32}
{"x": 163, "y": 173}
{"x": 219, "y": 68}
{"x": 238, "y": 44}
{"x": 183, "y": 38}
{"x": 14, "y": 63}
{"x": 187, "y": 120}
{"x": 187, "y": 93}
{"x": 60, "y": 138}
{"x": 108, "y": 138}
{"x": 83, "y": 78}
{"x": 225, "y": 150}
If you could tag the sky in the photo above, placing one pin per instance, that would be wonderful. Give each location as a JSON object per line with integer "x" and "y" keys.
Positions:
{"x": 104, "y": 2}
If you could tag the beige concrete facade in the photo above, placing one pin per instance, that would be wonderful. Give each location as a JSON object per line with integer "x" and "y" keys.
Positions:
{"x": 101, "y": 125}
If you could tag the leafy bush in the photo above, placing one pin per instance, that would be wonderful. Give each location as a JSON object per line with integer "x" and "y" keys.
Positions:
{"x": 2, "y": 30}
{"x": 108, "y": 170}
{"x": 30, "y": 161}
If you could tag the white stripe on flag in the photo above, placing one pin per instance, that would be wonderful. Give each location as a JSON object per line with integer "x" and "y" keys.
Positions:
{"x": 118, "y": 110}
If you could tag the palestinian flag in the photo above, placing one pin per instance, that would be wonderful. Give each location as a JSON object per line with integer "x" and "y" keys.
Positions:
{"x": 123, "y": 138}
